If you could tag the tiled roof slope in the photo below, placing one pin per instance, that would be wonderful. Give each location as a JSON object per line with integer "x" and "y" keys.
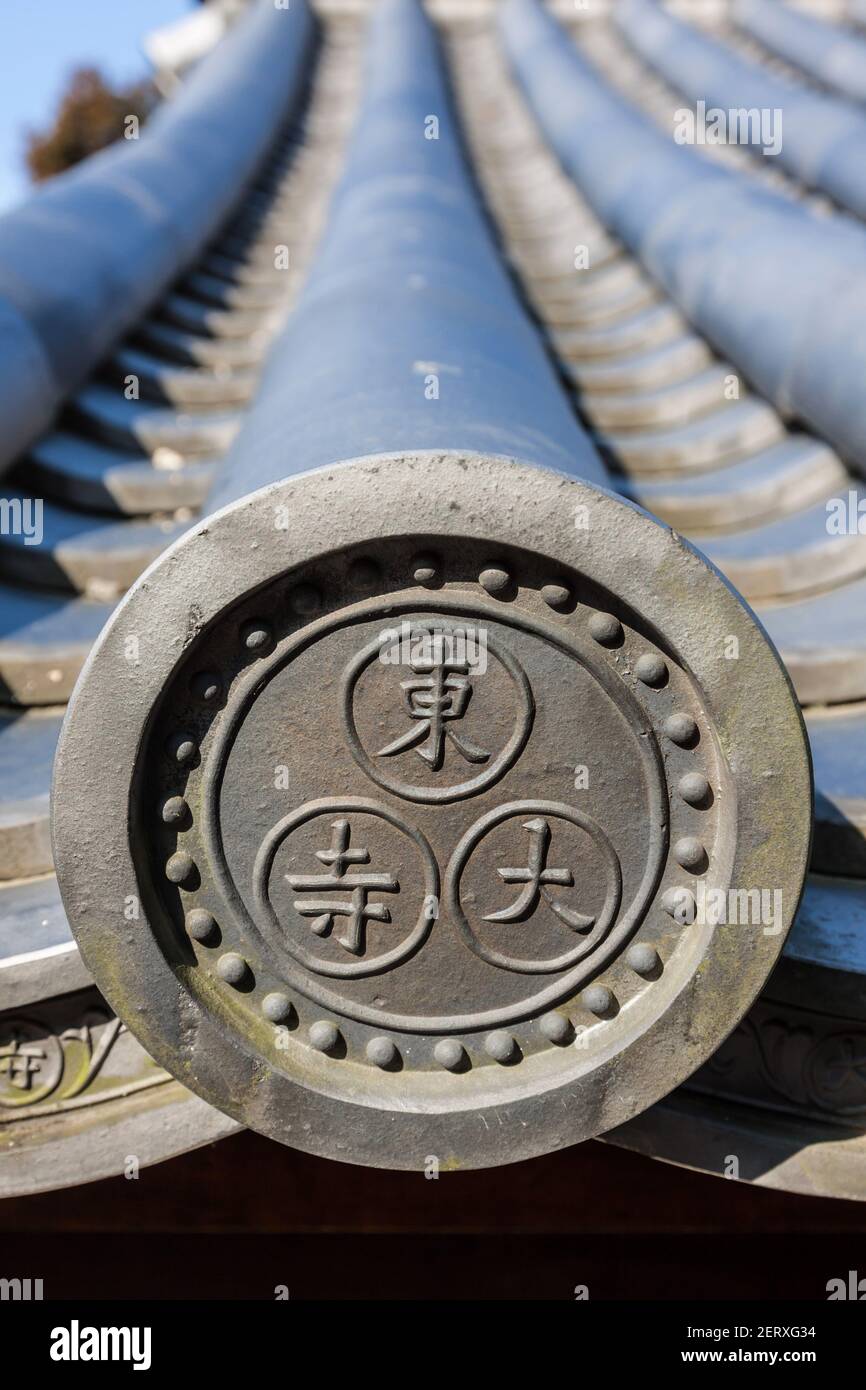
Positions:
{"x": 187, "y": 303}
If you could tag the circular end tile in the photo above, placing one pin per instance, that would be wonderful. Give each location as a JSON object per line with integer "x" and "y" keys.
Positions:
{"x": 437, "y": 806}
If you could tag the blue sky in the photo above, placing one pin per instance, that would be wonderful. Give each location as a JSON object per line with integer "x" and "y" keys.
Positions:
{"x": 41, "y": 41}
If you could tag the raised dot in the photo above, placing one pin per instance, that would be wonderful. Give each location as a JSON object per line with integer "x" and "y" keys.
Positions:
{"x": 206, "y": 686}
{"x": 680, "y": 728}
{"x": 174, "y": 810}
{"x": 450, "y": 1053}
{"x": 555, "y": 1027}
{"x": 179, "y": 867}
{"x": 680, "y": 904}
{"x": 256, "y": 637}
{"x": 597, "y": 998}
{"x": 364, "y": 573}
{"x": 693, "y": 788}
{"x": 605, "y": 628}
{"x": 651, "y": 669}
{"x": 277, "y": 1007}
{"x": 200, "y": 924}
{"x": 182, "y": 747}
{"x": 305, "y": 599}
{"x": 425, "y": 569}
{"x": 500, "y": 1046}
{"x": 556, "y": 595}
{"x": 232, "y": 968}
{"x": 642, "y": 959}
{"x": 324, "y": 1035}
{"x": 690, "y": 853}
{"x": 494, "y": 579}
{"x": 381, "y": 1052}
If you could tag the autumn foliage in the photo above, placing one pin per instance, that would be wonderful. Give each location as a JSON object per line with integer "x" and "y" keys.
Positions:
{"x": 91, "y": 115}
